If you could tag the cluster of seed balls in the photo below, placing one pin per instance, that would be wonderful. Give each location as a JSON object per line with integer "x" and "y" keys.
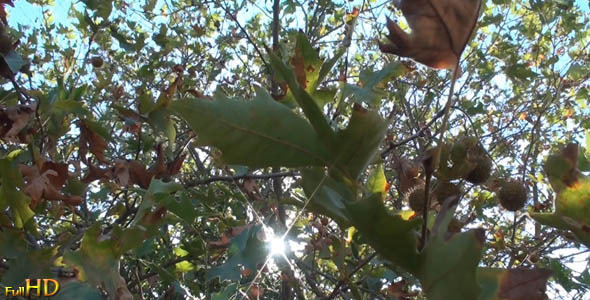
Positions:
{"x": 511, "y": 194}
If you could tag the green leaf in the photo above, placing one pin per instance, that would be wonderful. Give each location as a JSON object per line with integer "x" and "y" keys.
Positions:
{"x": 394, "y": 237}
{"x": 260, "y": 133}
{"x": 377, "y": 183}
{"x": 158, "y": 192}
{"x": 572, "y": 203}
{"x": 563, "y": 275}
{"x": 184, "y": 207}
{"x": 357, "y": 145}
{"x": 29, "y": 264}
{"x": 97, "y": 259}
{"x": 453, "y": 277}
{"x": 103, "y": 8}
{"x": 162, "y": 122}
{"x": 310, "y": 108}
{"x": 371, "y": 89}
{"x": 311, "y": 71}
{"x": 245, "y": 250}
{"x": 11, "y": 195}
{"x": 329, "y": 198}
{"x": 572, "y": 211}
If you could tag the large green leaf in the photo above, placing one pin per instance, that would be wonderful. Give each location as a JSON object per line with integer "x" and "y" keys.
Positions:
{"x": 572, "y": 203}
{"x": 97, "y": 259}
{"x": 371, "y": 89}
{"x": 357, "y": 145}
{"x": 377, "y": 183}
{"x": 311, "y": 70}
{"x": 394, "y": 237}
{"x": 309, "y": 106}
{"x": 259, "y": 133}
{"x": 449, "y": 264}
{"x": 22, "y": 260}
{"x": 11, "y": 195}
{"x": 328, "y": 199}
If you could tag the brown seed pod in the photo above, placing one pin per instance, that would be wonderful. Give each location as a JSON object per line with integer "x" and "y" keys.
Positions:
{"x": 482, "y": 171}
{"x": 97, "y": 62}
{"x": 445, "y": 190}
{"x": 512, "y": 195}
{"x": 416, "y": 199}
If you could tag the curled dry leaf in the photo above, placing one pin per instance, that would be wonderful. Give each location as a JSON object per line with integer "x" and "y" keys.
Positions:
{"x": 139, "y": 175}
{"x": 159, "y": 169}
{"x": 440, "y": 31}
{"x": 90, "y": 140}
{"x": 13, "y": 121}
{"x": 131, "y": 172}
{"x": 46, "y": 183}
{"x": 527, "y": 284}
{"x": 96, "y": 173}
{"x": 163, "y": 170}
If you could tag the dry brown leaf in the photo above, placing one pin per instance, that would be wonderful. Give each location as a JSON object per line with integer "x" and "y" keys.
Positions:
{"x": 398, "y": 291}
{"x": 175, "y": 165}
{"x": 90, "y": 140}
{"x": 95, "y": 173}
{"x": 13, "y": 120}
{"x": 520, "y": 284}
{"x": 159, "y": 170}
{"x": 440, "y": 31}
{"x": 139, "y": 175}
{"x": 121, "y": 172}
{"x": 46, "y": 183}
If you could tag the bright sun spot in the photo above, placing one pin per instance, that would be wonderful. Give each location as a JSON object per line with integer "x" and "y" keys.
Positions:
{"x": 277, "y": 246}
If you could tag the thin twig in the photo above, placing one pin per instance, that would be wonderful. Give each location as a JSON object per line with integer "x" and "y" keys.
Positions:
{"x": 248, "y": 37}
{"x": 418, "y": 134}
{"x": 340, "y": 283}
{"x": 238, "y": 177}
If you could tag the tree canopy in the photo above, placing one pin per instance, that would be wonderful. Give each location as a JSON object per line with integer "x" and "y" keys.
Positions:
{"x": 285, "y": 149}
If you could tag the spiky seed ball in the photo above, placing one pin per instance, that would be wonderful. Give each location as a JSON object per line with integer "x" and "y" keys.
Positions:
{"x": 416, "y": 200}
{"x": 97, "y": 62}
{"x": 445, "y": 190}
{"x": 512, "y": 195}
{"x": 464, "y": 147}
{"x": 482, "y": 171}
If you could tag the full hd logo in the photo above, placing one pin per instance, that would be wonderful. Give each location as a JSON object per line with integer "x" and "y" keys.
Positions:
{"x": 39, "y": 287}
